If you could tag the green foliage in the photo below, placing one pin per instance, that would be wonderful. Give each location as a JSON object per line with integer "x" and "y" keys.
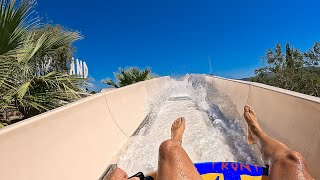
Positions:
{"x": 14, "y": 23}
{"x": 129, "y": 76}
{"x": 3, "y": 125}
{"x": 33, "y": 76}
{"x": 292, "y": 69}
{"x": 58, "y": 49}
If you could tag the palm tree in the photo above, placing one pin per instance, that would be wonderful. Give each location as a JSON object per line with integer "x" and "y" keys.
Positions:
{"x": 129, "y": 76}
{"x": 25, "y": 83}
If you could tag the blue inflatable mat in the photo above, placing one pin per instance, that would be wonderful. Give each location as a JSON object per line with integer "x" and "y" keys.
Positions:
{"x": 231, "y": 171}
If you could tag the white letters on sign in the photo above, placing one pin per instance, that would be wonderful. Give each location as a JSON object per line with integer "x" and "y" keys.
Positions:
{"x": 79, "y": 67}
{"x": 82, "y": 68}
{"x": 72, "y": 70}
{"x": 85, "y": 70}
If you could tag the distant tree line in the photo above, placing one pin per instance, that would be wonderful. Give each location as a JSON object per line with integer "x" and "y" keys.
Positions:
{"x": 291, "y": 69}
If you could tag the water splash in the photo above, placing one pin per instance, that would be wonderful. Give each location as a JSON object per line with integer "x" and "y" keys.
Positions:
{"x": 209, "y": 136}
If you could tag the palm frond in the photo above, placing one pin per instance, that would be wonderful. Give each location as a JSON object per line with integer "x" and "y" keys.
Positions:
{"x": 14, "y": 23}
{"x": 129, "y": 76}
{"x": 23, "y": 89}
{"x": 110, "y": 82}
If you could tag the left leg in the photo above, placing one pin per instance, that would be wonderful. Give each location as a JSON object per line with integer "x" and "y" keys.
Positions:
{"x": 174, "y": 162}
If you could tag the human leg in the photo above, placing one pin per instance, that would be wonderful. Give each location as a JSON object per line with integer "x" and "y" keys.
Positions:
{"x": 284, "y": 163}
{"x": 174, "y": 163}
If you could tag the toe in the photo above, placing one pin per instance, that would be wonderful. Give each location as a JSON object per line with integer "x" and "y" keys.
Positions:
{"x": 252, "y": 111}
{"x": 246, "y": 108}
{"x": 175, "y": 123}
{"x": 179, "y": 121}
{"x": 183, "y": 120}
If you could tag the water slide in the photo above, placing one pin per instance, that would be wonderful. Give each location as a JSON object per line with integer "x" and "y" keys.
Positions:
{"x": 126, "y": 126}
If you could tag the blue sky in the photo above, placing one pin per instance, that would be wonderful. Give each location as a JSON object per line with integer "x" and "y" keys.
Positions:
{"x": 177, "y": 37}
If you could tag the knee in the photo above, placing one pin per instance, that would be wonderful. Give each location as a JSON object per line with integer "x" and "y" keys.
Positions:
{"x": 168, "y": 148}
{"x": 295, "y": 157}
{"x": 291, "y": 157}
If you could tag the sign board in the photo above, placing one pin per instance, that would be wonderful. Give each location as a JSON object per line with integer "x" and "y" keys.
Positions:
{"x": 79, "y": 68}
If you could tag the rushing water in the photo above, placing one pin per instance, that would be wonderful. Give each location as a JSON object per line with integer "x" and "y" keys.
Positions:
{"x": 209, "y": 136}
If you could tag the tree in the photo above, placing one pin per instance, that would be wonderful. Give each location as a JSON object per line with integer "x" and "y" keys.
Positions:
{"x": 61, "y": 54}
{"x": 129, "y": 76}
{"x": 28, "y": 82}
{"x": 292, "y": 70}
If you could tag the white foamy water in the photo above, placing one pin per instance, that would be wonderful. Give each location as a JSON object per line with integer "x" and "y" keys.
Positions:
{"x": 209, "y": 137}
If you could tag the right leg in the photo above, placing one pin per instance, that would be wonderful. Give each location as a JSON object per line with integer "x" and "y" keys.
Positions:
{"x": 174, "y": 163}
{"x": 284, "y": 163}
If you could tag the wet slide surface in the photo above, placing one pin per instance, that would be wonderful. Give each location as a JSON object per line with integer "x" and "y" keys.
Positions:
{"x": 209, "y": 136}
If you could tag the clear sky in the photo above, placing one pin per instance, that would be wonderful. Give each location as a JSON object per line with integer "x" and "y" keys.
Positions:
{"x": 175, "y": 37}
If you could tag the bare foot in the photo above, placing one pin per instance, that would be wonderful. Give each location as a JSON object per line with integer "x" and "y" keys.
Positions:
{"x": 177, "y": 129}
{"x": 251, "y": 118}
